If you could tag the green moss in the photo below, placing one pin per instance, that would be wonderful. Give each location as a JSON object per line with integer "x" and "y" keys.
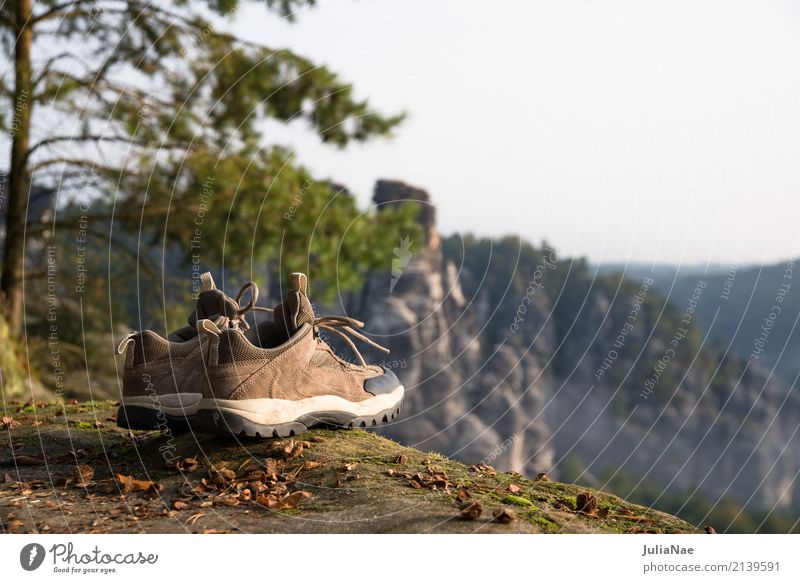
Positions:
{"x": 355, "y": 503}
{"x": 544, "y": 523}
{"x": 518, "y": 500}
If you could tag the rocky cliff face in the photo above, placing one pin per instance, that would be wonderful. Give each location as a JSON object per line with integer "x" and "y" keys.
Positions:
{"x": 521, "y": 360}
{"x": 461, "y": 401}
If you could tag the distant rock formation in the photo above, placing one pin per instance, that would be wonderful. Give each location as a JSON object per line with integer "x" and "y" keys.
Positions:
{"x": 458, "y": 401}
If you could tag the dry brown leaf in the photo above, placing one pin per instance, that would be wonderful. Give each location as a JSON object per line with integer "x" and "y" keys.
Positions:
{"x": 586, "y": 502}
{"x": 187, "y": 465}
{"x": 603, "y": 512}
{"x": 8, "y": 422}
{"x": 221, "y": 476}
{"x": 463, "y": 498}
{"x": 504, "y": 516}
{"x": 82, "y": 475}
{"x": 289, "y": 450}
{"x": 288, "y": 501}
{"x": 542, "y": 477}
{"x": 350, "y": 466}
{"x": 562, "y": 504}
{"x": 401, "y": 459}
{"x": 129, "y": 484}
{"x": 272, "y": 468}
{"x": 472, "y": 511}
{"x": 513, "y": 488}
{"x": 181, "y": 505}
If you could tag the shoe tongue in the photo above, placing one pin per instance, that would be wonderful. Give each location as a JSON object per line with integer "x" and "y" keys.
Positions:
{"x": 212, "y": 303}
{"x": 295, "y": 310}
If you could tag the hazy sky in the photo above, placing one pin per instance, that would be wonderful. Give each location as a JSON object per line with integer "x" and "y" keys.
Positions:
{"x": 640, "y": 131}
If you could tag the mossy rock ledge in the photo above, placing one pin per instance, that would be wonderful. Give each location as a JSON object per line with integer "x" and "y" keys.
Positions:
{"x": 68, "y": 468}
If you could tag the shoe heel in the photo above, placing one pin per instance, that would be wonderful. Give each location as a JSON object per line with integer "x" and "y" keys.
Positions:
{"x": 144, "y": 419}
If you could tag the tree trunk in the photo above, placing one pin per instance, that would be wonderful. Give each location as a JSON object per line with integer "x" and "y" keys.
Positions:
{"x": 19, "y": 179}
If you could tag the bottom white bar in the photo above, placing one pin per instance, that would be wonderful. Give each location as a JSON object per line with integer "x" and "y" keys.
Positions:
{"x": 404, "y": 558}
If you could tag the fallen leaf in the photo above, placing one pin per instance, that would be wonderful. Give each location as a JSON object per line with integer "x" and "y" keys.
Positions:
{"x": 472, "y": 511}
{"x": 482, "y": 469}
{"x": 542, "y": 477}
{"x": 350, "y": 466}
{"x": 513, "y": 488}
{"x": 187, "y": 465}
{"x": 82, "y": 475}
{"x": 401, "y": 459}
{"x": 8, "y": 422}
{"x": 129, "y": 484}
{"x": 272, "y": 468}
{"x": 221, "y": 476}
{"x": 288, "y": 501}
{"x": 504, "y": 516}
{"x": 463, "y": 498}
{"x": 586, "y": 502}
{"x": 181, "y": 505}
{"x": 603, "y": 512}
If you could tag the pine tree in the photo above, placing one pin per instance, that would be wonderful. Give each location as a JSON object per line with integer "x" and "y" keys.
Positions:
{"x": 154, "y": 114}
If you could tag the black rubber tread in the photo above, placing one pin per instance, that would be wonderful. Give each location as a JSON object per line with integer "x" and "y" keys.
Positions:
{"x": 227, "y": 423}
{"x": 142, "y": 418}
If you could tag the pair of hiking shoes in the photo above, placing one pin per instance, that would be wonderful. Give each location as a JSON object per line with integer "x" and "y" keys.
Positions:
{"x": 274, "y": 379}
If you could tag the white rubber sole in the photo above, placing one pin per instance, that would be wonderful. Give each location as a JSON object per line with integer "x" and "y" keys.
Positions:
{"x": 280, "y": 411}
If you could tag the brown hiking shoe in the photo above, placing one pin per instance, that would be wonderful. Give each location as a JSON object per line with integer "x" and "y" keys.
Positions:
{"x": 280, "y": 378}
{"x": 155, "y": 394}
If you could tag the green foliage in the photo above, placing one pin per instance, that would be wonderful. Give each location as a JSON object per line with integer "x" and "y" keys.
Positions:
{"x": 175, "y": 104}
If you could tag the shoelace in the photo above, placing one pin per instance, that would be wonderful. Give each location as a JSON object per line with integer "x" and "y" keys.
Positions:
{"x": 337, "y": 325}
{"x": 334, "y": 323}
{"x": 238, "y": 321}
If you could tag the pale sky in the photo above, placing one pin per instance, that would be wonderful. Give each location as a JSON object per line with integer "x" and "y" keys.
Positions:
{"x": 622, "y": 131}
